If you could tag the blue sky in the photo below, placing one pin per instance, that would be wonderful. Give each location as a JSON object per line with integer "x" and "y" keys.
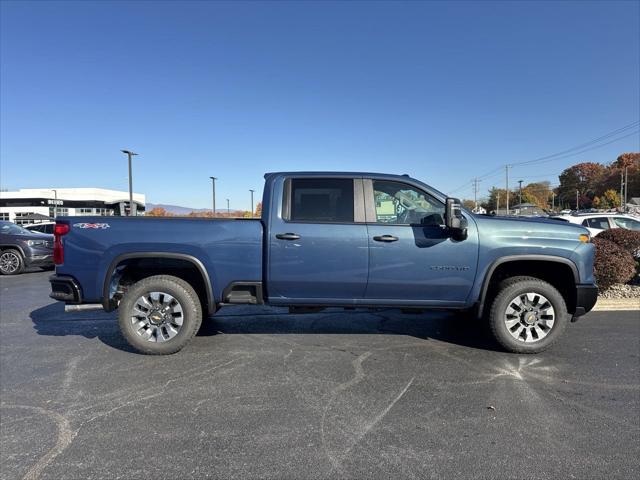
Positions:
{"x": 443, "y": 91}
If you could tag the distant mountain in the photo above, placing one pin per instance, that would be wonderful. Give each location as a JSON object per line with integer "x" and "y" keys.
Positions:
{"x": 177, "y": 209}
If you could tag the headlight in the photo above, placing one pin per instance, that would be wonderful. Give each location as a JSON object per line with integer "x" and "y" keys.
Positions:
{"x": 36, "y": 243}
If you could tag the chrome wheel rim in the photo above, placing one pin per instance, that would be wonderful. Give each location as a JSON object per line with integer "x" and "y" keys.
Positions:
{"x": 529, "y": 317}
{"x": 9, "y": 262}
{"x": 157, "y": 317}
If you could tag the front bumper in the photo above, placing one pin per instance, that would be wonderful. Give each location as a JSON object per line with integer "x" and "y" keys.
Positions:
{"x": 39, "y": 260}
{"x": 65, "y": 289}
{"x": 586, "y": 298}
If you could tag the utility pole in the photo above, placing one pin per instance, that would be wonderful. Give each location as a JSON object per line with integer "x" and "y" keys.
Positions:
{"x": 228, "y": 211}
{"x": 506, "y": 168}
{"x": 476, "y": 183}
{"x": 252, "y": 202}
{"x": 621, "y": 185}
{"x": 577, "y": 200}
{"x": 553, "y": 200}
{"x": 626, "y": 188}
{"x": 497, "y": 203}
{"x": 132, "y": 209}
{"x": 520, "y": 194}
{"x": 213, "y": 183}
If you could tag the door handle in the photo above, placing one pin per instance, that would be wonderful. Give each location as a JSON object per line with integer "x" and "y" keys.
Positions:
{"x": 287, "y": 236}
{"x": 385, "y": 238}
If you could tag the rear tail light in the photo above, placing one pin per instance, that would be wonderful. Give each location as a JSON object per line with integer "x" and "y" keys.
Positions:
{"x": 59, "y": 231}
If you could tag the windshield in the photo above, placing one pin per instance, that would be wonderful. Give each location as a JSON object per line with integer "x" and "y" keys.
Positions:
{"x": 9, "y": 228}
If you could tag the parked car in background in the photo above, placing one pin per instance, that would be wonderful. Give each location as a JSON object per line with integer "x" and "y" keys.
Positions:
{"x": 42, "y": 227}
{"x": 599, "y": 222}
{"x": 21, "y": 248}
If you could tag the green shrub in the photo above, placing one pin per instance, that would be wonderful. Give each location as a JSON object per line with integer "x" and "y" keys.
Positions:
{"x": 627, "y": 239}
{"x": 612, "y": 264}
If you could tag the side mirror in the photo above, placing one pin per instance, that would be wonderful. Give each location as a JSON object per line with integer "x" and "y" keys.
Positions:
{"x": 454, "y": 220}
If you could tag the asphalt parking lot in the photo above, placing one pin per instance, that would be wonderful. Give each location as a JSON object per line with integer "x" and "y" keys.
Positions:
{"x": 260, "y": 393}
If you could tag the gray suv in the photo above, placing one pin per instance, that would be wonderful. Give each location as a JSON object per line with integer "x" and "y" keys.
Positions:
{"x": 21, "y": 248}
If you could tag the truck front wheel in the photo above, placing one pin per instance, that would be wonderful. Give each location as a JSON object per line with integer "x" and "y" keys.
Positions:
{"x": 527, "y": 315}
{"x": 159, "y": 315}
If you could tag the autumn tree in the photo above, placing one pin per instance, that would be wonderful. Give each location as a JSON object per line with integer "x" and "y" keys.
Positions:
{"x": 584, "y": 178}
{"x": 538, "y": 194}
{"x": 498, "y": 198}
{"x": 157, "y": 212}
{"x": 610, "y": 199}
{"x": 468, "y": 204}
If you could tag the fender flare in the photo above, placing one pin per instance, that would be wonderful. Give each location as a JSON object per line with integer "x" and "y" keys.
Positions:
{"x": 13, "y": 247}
{"x": 514, "y": 258}
{"x": 211, "y": 304}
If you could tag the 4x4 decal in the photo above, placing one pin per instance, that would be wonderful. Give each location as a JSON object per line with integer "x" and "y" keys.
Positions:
{"x": 91, "y": 225}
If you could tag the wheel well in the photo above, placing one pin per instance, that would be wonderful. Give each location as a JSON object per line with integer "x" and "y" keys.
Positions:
{"x": 11, "y": 247}
{"x": 558, "y": 274}
{"x": 132, "y": 270}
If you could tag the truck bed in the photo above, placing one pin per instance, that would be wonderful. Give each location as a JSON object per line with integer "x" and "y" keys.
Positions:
{"x": 229, "y": 249}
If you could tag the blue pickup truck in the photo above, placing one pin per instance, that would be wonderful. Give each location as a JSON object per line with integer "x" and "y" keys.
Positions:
{"x": 329, "y": 239}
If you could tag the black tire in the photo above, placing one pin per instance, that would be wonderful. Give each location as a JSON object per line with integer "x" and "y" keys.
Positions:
{"x": 512, "y": 288}
{"x": 16, "y": 259}
{"x": 191, "y": 314}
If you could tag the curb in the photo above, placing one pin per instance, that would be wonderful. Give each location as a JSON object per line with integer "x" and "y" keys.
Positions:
{"x": 611, "y": 304}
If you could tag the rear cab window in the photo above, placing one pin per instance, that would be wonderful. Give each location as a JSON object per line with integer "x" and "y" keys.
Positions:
{"x": 321, "y": 200}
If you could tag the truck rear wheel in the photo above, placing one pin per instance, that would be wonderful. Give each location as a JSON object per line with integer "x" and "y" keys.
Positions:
{"x": 159, "y": 315}
{"x": 527, "y": 315}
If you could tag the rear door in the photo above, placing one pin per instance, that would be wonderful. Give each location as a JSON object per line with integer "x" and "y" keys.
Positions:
{"x": 595, "y": 225}
{"x": 318, "y": 247}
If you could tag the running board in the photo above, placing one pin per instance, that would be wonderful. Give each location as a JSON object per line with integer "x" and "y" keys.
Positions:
{"x": 82, "y": 308}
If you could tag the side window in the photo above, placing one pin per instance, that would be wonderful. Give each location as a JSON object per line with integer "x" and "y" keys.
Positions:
{"x": 401, "y": 204}
{"x": 322, "y": 200}
{"x": 602, "y": 223}
{"x": 628, "y": 223}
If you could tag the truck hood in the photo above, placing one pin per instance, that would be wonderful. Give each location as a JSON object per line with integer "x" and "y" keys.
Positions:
{"x": 537, "y": 227}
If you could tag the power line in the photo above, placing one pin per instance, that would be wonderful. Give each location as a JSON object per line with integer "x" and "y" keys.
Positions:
{"x": 586, "y": 144}
{"x": 570, "y": 152}
{"x": 595, "y": 147}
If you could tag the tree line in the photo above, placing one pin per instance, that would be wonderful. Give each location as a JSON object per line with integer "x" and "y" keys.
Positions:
{"x": 161, "y": 212}
{"x": 597, "y": 186}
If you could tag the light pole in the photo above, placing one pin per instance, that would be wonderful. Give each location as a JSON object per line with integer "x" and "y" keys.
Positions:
{"x": 228, "y": 211}
{"x": 577, "y": 200}
{"x": 553, "y": 201}
{"x": 252, "y": 202}
{"x": 213, "y": 183}
{"x": 55, "y": 203}
{"x": 506, "y": 169}
{"x": 132, "y": 211}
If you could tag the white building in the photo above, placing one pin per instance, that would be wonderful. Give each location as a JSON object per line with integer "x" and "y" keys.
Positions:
{"x": 30, "y": 205}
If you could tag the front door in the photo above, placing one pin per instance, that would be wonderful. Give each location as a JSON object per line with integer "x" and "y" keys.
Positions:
{"x": 318, "y": 248}
{"x": 411, "y": 256}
